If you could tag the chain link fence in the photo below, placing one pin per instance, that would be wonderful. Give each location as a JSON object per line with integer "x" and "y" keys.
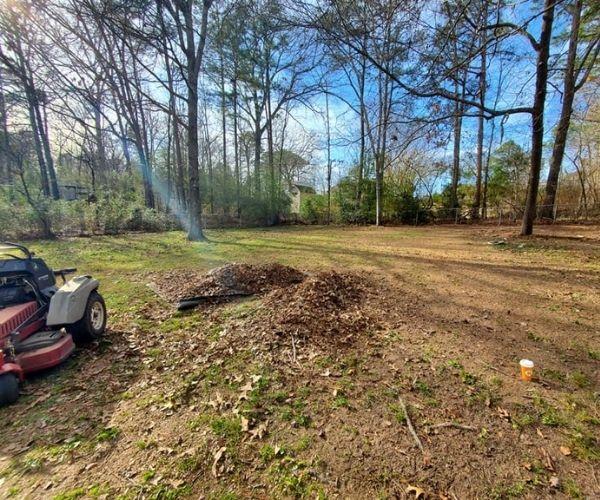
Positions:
{"x": 506, "y": 215}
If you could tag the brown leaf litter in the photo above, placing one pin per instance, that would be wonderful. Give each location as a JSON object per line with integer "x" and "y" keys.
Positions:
{"x": 225, "y": 280}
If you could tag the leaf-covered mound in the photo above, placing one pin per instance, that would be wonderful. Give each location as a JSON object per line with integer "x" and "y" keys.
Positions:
{"x": 228, "y": 279}
{"x": 327, "y": 305}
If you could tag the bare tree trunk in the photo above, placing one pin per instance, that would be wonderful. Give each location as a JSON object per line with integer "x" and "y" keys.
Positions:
{"x": 481, "y": 124}
{"x": 328, "y": 132}
{"x": 361, "y": 161}
{"x": 102, "y": 166}
{"x": 37, "y": 141}
{"x": 194, "y": 60}
{"x": 223, "y": 129}
{"x": 43, "y": 131}
{"x": 378, "y": 187}
{"x": 195, "y": 207}
{"x": 537, "y": 136}
{"x": 456, "y": 153}
{"x": 236, "y": 144}
{"x": 562, "y": 128}
{"x": 4, "y": 156}
{"x": 270, "y": 148}
{"x": 257, "y": 144}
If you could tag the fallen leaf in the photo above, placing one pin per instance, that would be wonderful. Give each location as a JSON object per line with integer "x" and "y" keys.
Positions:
{"x": 418, "y": 492}
{"x": 503, "y": 413}
{"x": 565, "y": 450}
{"x": 548, "y": 463}
{"x": 245, "y": 424}
{"x": 260, "y": 431}
{"x": 217, "y": 456}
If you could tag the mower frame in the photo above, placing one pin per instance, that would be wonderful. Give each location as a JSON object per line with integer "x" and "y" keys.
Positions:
{"x": 40, "y": 322}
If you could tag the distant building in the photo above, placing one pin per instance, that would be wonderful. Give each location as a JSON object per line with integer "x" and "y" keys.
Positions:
{"x": 297, "y": 191}
{"x": 72, "y": 192}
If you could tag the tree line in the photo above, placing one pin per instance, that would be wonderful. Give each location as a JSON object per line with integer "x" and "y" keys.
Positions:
{"x": 201, "y": 106}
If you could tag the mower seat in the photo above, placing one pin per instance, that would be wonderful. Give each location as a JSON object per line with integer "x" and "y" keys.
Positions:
{"x": 39, "y": 340}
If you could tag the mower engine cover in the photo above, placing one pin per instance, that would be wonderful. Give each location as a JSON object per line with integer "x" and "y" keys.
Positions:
{"x": 67, "y": 305}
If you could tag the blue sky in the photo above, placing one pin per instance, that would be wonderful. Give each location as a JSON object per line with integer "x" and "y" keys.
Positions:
{"x": 518, "y": 89}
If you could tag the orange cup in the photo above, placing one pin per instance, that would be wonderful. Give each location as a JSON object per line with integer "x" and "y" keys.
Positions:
{"x": 526, "y": 369}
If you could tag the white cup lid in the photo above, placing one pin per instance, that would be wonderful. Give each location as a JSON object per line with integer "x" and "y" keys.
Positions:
{"x": 526, "y": 363}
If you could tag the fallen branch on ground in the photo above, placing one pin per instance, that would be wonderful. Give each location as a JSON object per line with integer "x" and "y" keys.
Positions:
{"x": 410, "y": 426}
{"x": 452, "y": 424}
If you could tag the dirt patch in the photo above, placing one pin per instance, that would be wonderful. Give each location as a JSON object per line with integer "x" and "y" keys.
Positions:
{"x": 230, "y": 279}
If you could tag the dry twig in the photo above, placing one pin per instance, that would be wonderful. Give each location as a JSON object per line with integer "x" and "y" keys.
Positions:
{"x": 452, "y": 424}
{"x": 410, "y": 426}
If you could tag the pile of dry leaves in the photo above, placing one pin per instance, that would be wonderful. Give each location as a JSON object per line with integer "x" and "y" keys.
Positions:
{"x": 229, "y": 279}
{"x": 328, "y": 305}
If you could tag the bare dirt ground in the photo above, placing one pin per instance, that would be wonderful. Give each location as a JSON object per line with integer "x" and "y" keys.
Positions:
{"x": 387, "y": 369}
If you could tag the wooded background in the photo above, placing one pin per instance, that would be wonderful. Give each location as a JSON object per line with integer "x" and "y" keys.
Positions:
{"x": 145, "y": 115}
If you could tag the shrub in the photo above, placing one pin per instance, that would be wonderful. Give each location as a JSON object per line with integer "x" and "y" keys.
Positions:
{"x": 313, "y": 208}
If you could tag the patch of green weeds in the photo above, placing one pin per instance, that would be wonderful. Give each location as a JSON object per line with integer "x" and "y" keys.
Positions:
{"x": 267, "y": 453}
{"x": 278, "y": 396}
{"x": 148, "y": 475}
{"x": 13, "y": 491}
{"x": 398, "y": 412}
{"x": 181, "y": 321}
{"x": 423, "y": 388}
{"x": 483, "y": 435}
{"x": 585, "y": 445}
{"x": 514, "y": 490}
{"x": 229, "y": 428}
{"x": 143, "y": 445}
{"x": 454, "y": 364}
{"x": 294, "y": 478}
{"x": 165, "y": 492}
{"x": 548, "y": 415}
{"x": 555, "y": 375}
{"x": 70, "y": 494}
{"x": 340, "y": 401}
{"x": 536, "y": 338}
{"x": 108, "y": 434}
{"x": 188, "y": 464}
{"x": 570, "y": 488}
{"x": 580, "y": 379}
{"x": 595, "y": 355}
{"x": 523, "y": 420}
{"x": 468, "y": 378}
{"x": 303, "y": 444}
{"x": 324, "y": 362}
{"x": 224, "y": 495}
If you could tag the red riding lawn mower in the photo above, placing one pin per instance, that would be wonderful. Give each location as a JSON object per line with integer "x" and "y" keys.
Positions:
{"x": 40, "y": 322}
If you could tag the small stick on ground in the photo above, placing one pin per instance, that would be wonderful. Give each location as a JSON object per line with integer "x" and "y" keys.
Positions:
{"x": 294, "y": 349}
{"x": 452, "y": 424}
{"x": 409, "y": 424}
{"x": 492, "y": 368}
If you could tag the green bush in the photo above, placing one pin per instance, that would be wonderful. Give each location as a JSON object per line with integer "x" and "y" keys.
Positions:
{"x": 313, "y": 208}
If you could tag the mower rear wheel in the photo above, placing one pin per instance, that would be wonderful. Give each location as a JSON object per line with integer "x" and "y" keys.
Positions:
{"x": 92, "y": 325}
{"x": 9, "y": 389}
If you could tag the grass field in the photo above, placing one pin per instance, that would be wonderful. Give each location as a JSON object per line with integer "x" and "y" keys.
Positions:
{"x": 176, "y": 405}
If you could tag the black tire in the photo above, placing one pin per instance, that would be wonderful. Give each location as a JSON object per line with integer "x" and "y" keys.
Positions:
{"x": 9, "y": 389}
{"x": 90, "y": 327}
